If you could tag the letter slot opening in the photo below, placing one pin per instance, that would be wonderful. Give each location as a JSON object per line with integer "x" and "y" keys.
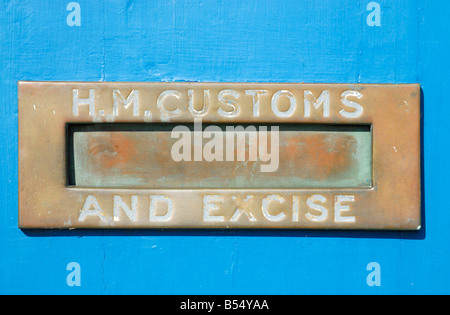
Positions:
{"x": 218, "y": 156}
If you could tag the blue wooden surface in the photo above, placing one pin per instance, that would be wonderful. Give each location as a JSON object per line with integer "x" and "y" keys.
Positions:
{"x": 244, "y": 41}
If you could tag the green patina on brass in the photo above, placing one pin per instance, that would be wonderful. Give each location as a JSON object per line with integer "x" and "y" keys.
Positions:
{"x": 310, "y": 156}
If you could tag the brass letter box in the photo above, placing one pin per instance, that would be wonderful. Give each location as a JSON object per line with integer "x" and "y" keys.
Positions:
{"x": 219, "y": 155}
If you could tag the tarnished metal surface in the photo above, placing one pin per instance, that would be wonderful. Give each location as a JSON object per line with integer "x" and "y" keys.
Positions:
{"x": 306, "y": 159}
{"x": 329, "y": 179}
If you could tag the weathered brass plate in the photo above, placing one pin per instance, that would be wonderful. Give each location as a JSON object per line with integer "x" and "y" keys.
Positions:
{"x": 307, "y": 159}
{"x": 104, "y": 155}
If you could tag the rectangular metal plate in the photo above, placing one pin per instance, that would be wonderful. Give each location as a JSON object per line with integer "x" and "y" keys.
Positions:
{"x": 326, "y": 156}
{"x": 311, "y": 158}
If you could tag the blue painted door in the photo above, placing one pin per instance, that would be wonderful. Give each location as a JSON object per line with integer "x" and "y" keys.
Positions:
{"x": 229, "y": 41}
